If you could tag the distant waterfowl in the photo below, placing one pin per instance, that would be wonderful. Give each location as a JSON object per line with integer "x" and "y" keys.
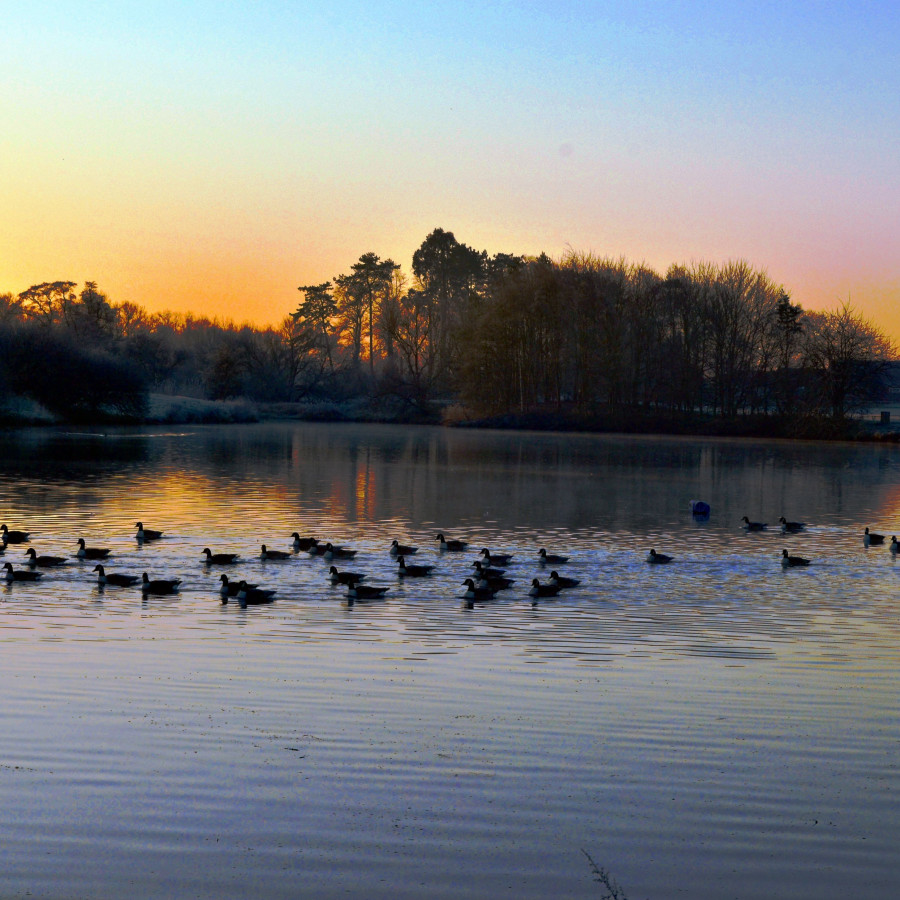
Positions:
{"x": 305, "y": 544}
{"x": 337, "y": 552}
{"x": 357, "y": 591}
{"x": 159, "y": 585}
{"x": 44, "y": 562}
{"x": 21, "y": 574}
{"x": 754, "y": 526}
{"x": 870, "y": 538}
{"x": 495, "y": 559}
{"x": 407, "y": 571}
{"x": 451, "y": 545}
{"x": 254, "y": 596}
{"x": 316, "y": 549}
{"x": 13, "y": 537}
{"x": 345, "y": 577}
{"x": 265, "y": 553}
{"x": 551, "y": 559}
{"x": 474, "y": 592}
{"x": 398, "y": 549}
{"x": 562, "y": 580}
{"x": 790, "y": 561}
{"x": 894, "y": 545}
{"x": 231, "y": 588}
{"x": 113, "y": 578}
{"x": 659, "y": 558}
{"x": 90, "y": 552}
{"x": 147, "y": 534}
{"x": 791, "y": 527}
{"x": 543, "y": 590}
{"x": 219, "y": 559}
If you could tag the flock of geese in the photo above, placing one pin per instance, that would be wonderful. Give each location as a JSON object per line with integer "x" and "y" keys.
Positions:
{"x": 487, "y": 579}
{"x": 870, "y": 539}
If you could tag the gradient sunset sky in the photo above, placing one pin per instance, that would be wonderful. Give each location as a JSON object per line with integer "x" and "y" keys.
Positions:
{"x": 211, "y": 157}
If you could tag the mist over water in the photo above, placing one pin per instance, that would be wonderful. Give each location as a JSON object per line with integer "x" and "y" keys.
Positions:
{"x": 715, "y": 727}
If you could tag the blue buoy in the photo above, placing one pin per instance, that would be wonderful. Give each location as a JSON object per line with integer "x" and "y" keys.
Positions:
{"x": 700, "y": 509}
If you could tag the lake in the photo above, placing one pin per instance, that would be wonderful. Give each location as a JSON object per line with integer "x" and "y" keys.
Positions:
{"x": 716, "y": 727}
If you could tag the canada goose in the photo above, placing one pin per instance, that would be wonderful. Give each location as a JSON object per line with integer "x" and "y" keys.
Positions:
{"x": 790, "y": 561}
{"x": 357, "y": 591}
{"x": 43, "y": 561}
{"x": 254, "y": 596}
{"x": 485, "y": 571}
{"x": 404, "y": 570}
{"x": 21, "y": 574}
{"x": 655, "y": 557}
{"x": 791, "y": 527}
{"x": 303, "y": 543}
{"x": 452, "y": 546}
{"x": 90, "y": 552}
{"x": 114, "y": 578}
{"x": 754, "y": 526}
{"x": 146, "y": 534}
{"x": 13, "y": 537}
{"x": 562, "y": 580}
{"x": 477, "y": 593}
{"x": 336, "y": 552}
{"x": 231, "y": 588}
{"x": 345, "y": 577}
{"x": 495, "y": 559}
{"x": 894, "y": 545}
{"x": 871, "y": 538}
{"x": 543, "y": 590}
{"x": 398, "y": 549}
{"x": 551, "y": 558}
{"x": 219, "y": 559}
{"x": 495, "y": 583}
{"x": 273, "y": 554}
{"x": 159, "y": 585}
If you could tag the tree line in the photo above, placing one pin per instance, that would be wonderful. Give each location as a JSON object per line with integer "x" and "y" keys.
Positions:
{"x": 492, "y": 334}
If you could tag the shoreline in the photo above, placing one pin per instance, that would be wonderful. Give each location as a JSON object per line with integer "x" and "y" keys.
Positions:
{"x": 181, "y": 410}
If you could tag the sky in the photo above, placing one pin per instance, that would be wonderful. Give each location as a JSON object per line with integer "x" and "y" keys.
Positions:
{"x": 211, "y": 157}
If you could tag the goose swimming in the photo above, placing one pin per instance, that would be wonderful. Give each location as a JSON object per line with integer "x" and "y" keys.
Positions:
{"x": 21, "y": 574}
{"x": 754, "y": 526}
{"x": 254, "y": 596}
{"x": 398, "y": 549}
{"x": 451, "y": 545}
{"x": 231, "y": 588}
{"x": 345, "y": 577}
{"x": 562, "y": 580}
{"x": 273, "y": 554}
{"x": 789, "y": 561}
{"x": 13, "y": 537}
{"x": 43, "y": 561}
{"x": 659, "y": 558}
{"x": 219, "y": 559}
{"x": 477, "y": 593}
{"x": 104, "y": 577}
{"x": 337, "y": 552}
{"x": 791, "y": 527}
{"x": 146, "y": 534}
{"x": 543, "y": 590}
{"x": 869, "y": 537}
{"x": 407, "y": 571}
{"x": 159, "y": 585}
{"x": 300, "y": 543}
{"x": 90, "y": 552}
{"x": 357, "y": 591}
{"x": 551, "y": 558}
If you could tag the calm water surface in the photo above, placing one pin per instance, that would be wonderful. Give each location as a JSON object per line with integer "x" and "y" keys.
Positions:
{"x": 717, "y": 728}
